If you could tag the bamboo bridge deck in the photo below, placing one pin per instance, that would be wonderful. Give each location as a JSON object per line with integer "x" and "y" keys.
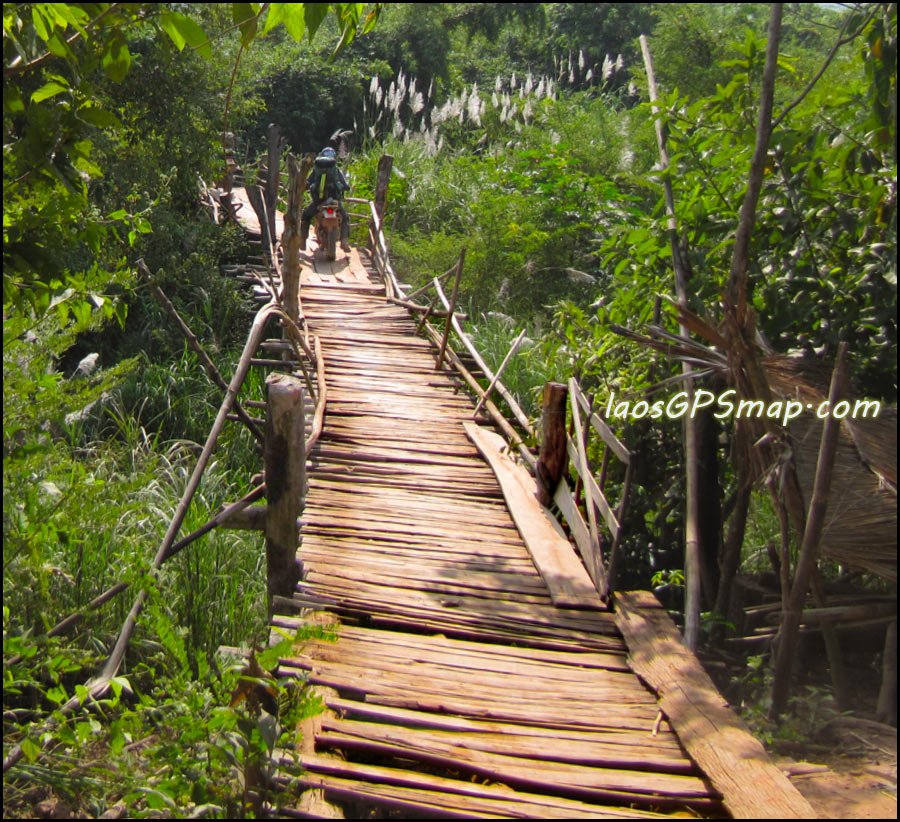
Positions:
{"x": 455, "y": 686}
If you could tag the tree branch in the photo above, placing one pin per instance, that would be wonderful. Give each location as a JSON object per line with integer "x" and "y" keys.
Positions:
{"x": 17, "y": 67}
{"x": 841, "y": 41}
{"x": 737, "y": 283}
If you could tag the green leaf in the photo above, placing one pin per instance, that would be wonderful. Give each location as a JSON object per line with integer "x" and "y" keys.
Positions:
{"x": 93, "y": 115}
{"x": 42, "y": 27}
{"x": 274, "y": 16}
{"x": 246, "y": 17}
{"x": 48, "y": 90}
{"x": 315, "y": 14}
{"x": 293, "y": 16}
{"x": 117, "y": 58}
{"x": 184, "y": 31}
{"x": 57, "y": 46}
{"x": 30, "y": 750}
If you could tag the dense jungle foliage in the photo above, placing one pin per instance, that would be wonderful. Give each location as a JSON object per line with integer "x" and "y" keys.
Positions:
{"x": 520, "y": 131}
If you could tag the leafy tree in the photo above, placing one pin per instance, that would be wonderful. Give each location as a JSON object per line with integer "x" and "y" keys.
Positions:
{"x": 55, "y": 57}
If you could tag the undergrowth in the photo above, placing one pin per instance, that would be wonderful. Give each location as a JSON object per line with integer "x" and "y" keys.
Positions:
{"x": 96, "y": 459}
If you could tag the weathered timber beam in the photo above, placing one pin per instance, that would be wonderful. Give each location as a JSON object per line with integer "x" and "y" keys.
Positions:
{"x": 735, "y": 763}
{"x": 285, "y": 462}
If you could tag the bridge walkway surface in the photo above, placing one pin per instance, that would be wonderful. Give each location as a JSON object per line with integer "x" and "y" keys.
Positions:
{"x": 454, "y": 683}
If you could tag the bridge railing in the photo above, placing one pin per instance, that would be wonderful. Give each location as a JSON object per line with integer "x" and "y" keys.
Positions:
{"x": 593, "y": 520}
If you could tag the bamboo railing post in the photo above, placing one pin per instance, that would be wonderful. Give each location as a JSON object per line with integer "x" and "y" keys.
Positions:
{"x": 809, "y": 549}
{"x": 553, "y": 458}
{"x": 451, "y": 309}
{"x": 584, "y": 469}
{"x": 285, "y": 465}
{"x": 506, "y": 359}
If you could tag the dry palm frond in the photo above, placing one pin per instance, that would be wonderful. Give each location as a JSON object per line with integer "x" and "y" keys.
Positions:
{"x": 861, "y": 530}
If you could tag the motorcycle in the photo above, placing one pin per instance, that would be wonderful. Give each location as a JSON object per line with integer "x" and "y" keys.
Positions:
{"x": 328, "y": 227}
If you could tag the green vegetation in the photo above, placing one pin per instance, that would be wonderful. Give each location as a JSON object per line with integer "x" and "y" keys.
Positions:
{"x": 519, "y": 131}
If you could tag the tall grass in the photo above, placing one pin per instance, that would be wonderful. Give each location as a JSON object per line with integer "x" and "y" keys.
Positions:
{"x": 401, "y": 111}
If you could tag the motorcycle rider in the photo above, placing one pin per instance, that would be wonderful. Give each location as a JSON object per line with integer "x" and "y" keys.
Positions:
{"x": 326, "y": 182}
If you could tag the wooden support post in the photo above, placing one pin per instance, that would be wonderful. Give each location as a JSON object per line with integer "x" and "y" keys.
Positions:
{"x": 274, "y": 177}
{"x": 887, "y": 696}
{"x": 451, "y": 308}
{"x": 809, "y": 549}
{"x": 552, "y": 459}
{"x": 258, "y": 202}
{"x": 285, "y": 462}
{"x": 290, "y": 243}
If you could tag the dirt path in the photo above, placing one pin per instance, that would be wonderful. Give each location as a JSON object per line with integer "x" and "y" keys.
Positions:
{"x": 862, "y": 790}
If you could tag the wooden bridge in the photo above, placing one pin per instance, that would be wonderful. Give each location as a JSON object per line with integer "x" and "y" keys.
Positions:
{"x": 476, "y": 671}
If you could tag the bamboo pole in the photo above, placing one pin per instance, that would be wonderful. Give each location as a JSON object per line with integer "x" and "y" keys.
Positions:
{"x": 425, "y": 287}
{"x": 691, "y": 456}
{"x": 809, "y": 549}
{"x": 450, "y": 308}
{"x": 516, "y": 409}
{"x": 273, "y": 176}
{"x": 506, "y": 359}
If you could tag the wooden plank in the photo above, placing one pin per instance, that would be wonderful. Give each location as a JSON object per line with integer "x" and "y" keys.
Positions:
{"x": 665, "y": 744}
{"x": 597, "y": 784}
{"x": 568, "y": 581}
{"x": 493, "y": 798}
{"x": 460, "y": 654}
{"x": 538, "y": 749}
{"x": 624, "y": 687}
{"x": 736, "y": 763}
{"x": 585, "y": 660}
